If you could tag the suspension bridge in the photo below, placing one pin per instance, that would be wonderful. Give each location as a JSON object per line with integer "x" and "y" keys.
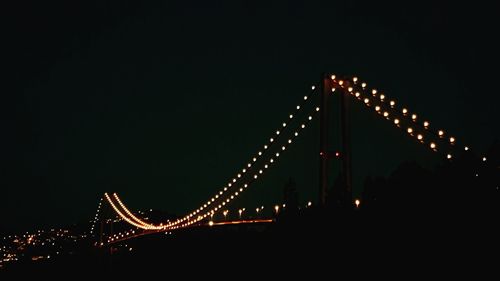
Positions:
{"x": 318, "y": 102}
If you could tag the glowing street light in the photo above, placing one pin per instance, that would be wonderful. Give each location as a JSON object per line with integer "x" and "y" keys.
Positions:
{"x": 277, "y": 209}
{"x": 357, "y": 202}
{"x": 225, "y": 214}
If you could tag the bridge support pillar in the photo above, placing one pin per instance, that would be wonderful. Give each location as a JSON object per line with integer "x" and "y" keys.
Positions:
{"x": 326, "y": 89}
{"x": 345, "y": 194}
{"x": 345, "y": 128}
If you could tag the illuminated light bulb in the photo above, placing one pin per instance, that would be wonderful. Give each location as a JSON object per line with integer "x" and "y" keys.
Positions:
{"x": 249, "y": 165}
{"x": 225, "y": 188}
{"x": 414, "y": 117}
{"x": 433, "y": 145}
{"x": 277, "y": 154}
{"x": 229, "y": 184}
{"x": 377, "y": 108}
{"x": 289, "y": 141}
{"x": 234, "y": 180}
{"x": 392, "y": 103}
{"x": 405, "y": 111}
{"x": 366, "y": 100}
{"x": 374, "y": 91}
{"x": 283, "y": 148}
{"x": 219, "y": 193}
{"x": 260, "y": 171}
{"x": 244, "y": 170}
{"x": 223, "y": 203}
{"x": 232, "y": 197}
{"x": 298, "y": 107}
{"x": 296, "y": 134}
{"x": 452, "y": 140}
{"x": 313, "y": 87}
{"x": 382, "y": 97}
{"x": 310, "y": 118}
{"x": 349, "y": 89}
{"x": 284, "y": 125}
{"x": 440, "y": 133}
{"x": 255, "y": 176}
{"x": 241, "y": 189}
{"x": 217, "y": 196}
{"x": 448, "y": 156}
{"x": 302, "y": 126}
{"x": 333, "y": 77}
{"x": 277, "y": 132}
{"x": 410, "y": 130}
{"x": 466, "y": 148}
{"x": 265, "y": 166}
{"x": 205, "y": 205}
{"x": 341, "y": 82}
{"x": 265, "y": 146}
{"x": 333, "y": 90}
{"x": 357, "y": 202}
{"x": 271, "y": 161}
{"x": 484, "y": 159}
{"x": 305, "y": 97}
{"x": 357, "y": 94}
{"x": 291, "y": 116}
{"x": 386, "y": 113}
{"x": 396, "y": 121}
{"x": 355, "y": 79}
{"x": 260, "y": 153}
{"x": 317, "y": 108}
{"x": 246, "y": 185}
{"x": 363, "y": 85}
{"x": 419, "y": 137}
{"x": 271, "y": 140}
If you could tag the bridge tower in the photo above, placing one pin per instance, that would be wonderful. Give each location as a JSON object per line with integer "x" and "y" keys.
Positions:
{"x": 328, "y": 86}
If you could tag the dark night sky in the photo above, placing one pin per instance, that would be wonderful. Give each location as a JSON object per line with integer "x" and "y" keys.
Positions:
{"x": 165, "y": 102}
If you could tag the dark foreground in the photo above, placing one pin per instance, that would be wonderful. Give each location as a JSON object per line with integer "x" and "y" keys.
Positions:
{"x": 313, "y": 244}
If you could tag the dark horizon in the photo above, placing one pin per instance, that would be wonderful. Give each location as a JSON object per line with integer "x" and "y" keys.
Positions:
{"x": 164, "y": 103}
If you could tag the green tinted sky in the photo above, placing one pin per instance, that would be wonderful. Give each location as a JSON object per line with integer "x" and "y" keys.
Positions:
{"x": 164, "y": 103}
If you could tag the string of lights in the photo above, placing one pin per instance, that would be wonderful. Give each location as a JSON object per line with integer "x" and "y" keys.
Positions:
{"x": 130, "y": 214}
{"x": 96, "y": 217}
{"x": 272, "y": 140}
{"x": 125, "y": 218}
{"x": 209, "y": 211}
{"x": 386, "y": 108}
